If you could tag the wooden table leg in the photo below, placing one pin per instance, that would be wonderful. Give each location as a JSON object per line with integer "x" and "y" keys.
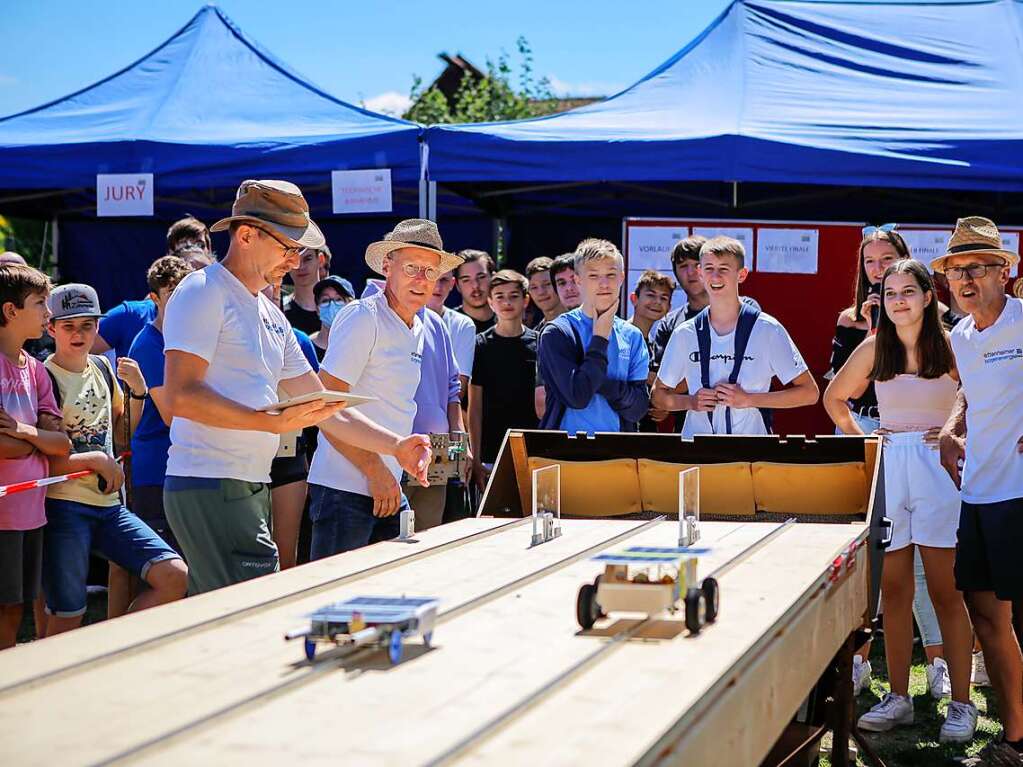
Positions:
{"x": 844, "y": 704}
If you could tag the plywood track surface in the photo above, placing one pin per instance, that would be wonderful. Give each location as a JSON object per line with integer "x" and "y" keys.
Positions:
{"x": 510, "y": 679}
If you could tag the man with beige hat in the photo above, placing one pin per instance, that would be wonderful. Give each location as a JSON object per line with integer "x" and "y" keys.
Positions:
{"x": 985, "y": 433}
{"x": 376, "y": 348}
{"x": 228, "y": 351}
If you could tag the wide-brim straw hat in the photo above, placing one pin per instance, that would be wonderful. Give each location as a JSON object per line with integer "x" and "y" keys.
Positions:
{"x": 278, "y": 206}
{"x": 974, "y": 235}
{"x": 411, "y": 233}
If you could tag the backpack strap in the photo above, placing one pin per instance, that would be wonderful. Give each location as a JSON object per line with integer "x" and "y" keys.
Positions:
{"x": 108, "y": 374}
{"x": 743, "y": 329}
{"x": 57, "y": 396}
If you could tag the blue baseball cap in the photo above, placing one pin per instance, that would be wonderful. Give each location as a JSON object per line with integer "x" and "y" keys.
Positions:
{"x": 333, "y": 281}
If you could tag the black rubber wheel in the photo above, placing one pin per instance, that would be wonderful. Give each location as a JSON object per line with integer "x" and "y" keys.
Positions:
{"x": 696, "y": 610}
{"x": 596, "y": 588}
{"x": 711, "y": 597}
{"x": 586, "y": 609}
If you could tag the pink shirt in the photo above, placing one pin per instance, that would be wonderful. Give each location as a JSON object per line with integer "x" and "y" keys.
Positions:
{"x": 25, "y": 392}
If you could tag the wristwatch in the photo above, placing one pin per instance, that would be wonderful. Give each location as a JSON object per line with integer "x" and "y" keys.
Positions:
{"x": 133, "y": 395}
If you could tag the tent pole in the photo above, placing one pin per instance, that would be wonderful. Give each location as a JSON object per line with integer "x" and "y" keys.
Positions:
{"x": 54, "y": 240}
{"x": 431, "y": 192}
{"x": 735, "y": 194}
{"x": 424, "y": 183}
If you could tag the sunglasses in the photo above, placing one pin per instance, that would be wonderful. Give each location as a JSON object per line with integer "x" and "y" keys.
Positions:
{"x": 869, "y": 230}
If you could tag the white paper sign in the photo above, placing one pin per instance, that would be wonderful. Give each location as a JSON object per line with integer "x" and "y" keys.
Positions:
{"x": 789, "y": 251}
{"x": 361, "y": 191}
{"x": 649, "y": 247}
{"x": 926, "y": 244}
{"x": 742, "y": 234}
{"x": 1010, "y": 241}
{"x": 124, "y": 194}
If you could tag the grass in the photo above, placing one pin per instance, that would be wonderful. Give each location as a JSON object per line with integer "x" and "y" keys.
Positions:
{"x": 95, "y": 611}
{"x": 918, "y": 746}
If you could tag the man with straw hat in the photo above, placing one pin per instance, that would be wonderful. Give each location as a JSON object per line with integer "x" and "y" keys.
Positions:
{"x": 986, "y": 429}
{"x": 376, "y": 348}
{"x": 228, "y": 350}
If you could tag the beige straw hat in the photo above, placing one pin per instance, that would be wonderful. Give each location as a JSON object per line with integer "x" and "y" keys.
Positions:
{"x": 412, "y": 232}
{"x": 974, "y": 234}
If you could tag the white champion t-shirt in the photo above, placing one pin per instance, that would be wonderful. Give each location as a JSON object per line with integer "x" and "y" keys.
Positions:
{"x": 373, "y": 350}
{"x": 769, "y": 353}
{"x": 990, "y": 366}
{"x": 250, "y": 348}
{"x": 463, "y": 339}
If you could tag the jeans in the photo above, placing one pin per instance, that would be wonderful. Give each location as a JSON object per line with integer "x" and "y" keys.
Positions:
{"x": 343, "y": 521}
{"x": 73, "y": 530}
{"x": 923, "y": 610}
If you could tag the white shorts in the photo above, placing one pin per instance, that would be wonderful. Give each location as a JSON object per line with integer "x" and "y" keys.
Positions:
{"x": 920, "y": 498}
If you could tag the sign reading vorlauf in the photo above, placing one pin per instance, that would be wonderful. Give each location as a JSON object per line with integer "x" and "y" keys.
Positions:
{"x": 124, "y": 194}
{"x": 361, "y": 191}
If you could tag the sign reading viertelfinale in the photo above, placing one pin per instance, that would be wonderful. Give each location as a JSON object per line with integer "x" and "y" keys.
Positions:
{"x": 124, "y": 194}
{"x": 361, "y": 191}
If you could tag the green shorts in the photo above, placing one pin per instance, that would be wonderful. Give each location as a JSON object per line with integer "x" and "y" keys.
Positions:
{"x": 223, "y": 527}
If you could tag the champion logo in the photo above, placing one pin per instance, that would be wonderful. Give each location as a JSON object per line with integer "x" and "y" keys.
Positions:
{"x": 726, "y": 358}
{"x": 273, "y": 327}
{"x": 417, "y": 358}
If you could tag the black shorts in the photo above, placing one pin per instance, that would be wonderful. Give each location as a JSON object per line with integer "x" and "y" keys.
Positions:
{"x": 147, "y": 504}
{"x": 988, "y": 548}
{"x": 289, "y": 469}
{"x": 21, "y": 565}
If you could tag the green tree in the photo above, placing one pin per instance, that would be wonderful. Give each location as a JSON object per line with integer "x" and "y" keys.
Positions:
{"x": 492, "y": 97}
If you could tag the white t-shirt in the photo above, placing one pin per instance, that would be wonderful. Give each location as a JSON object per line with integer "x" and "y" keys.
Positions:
{"x": 250, "y": 348}
{"x": 769, "y": 353}
{"x": 463, "y": 339}
{"x": 990, "y": 366}
{"x": 373, "y": 350}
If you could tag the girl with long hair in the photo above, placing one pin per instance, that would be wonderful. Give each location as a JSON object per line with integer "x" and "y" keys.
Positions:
{"x": 909, "y": 360}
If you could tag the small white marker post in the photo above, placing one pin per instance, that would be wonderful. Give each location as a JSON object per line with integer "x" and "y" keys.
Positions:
{"x": 688, "y": 506}
{"x": 408, "y": 525}
{"x": 546, "y": 504}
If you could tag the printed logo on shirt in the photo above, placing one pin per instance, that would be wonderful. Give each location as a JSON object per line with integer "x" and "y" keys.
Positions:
{"x": 417, "y": 358}
{"x": 274, "y": 327}
{"x": 1002, "y": 355}
{"x": 726, "y": 358}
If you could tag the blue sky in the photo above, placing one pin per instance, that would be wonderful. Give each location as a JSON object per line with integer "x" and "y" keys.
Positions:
{"x": 359, "y": 51}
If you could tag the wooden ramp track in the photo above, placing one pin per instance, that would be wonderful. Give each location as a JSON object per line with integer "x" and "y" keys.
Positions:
{"x": 510, "y": 679}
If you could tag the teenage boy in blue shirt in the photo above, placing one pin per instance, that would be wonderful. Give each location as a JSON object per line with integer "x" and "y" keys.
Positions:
{"x": 593, "y": 363}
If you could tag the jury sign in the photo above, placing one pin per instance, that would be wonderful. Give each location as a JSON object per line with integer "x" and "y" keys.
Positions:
{"x": 124, "y": 194}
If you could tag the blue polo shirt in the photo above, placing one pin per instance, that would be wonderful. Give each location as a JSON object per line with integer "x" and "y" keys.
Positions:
{"x": 627, "y": 360}
{"x": 124, "y": 322}
{"x": 151, "y": 440}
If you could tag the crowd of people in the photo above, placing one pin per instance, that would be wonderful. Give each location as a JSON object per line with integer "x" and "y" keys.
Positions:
{"x": 187, "y": 478}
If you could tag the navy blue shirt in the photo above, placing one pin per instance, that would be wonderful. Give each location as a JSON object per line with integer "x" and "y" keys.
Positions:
{"x": 151, "y": 440}
{"x": 124, "y": 322}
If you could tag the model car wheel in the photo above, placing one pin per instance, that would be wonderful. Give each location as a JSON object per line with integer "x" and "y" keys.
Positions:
{"x": 310, "y": 648}
{"x": 586, "y": 609}
{"x": 596, "y": 588}
{"x": 394, "y": 647}
{"x": 428, "y": 639}
{"x": 711, "y": 597}
{"x": 696, "y": 610}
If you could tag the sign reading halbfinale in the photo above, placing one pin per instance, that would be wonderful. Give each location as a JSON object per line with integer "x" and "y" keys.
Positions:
{"x": 124, "y": 194}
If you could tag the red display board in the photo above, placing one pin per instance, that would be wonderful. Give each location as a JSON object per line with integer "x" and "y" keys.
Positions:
{"x": 806, "y": 304}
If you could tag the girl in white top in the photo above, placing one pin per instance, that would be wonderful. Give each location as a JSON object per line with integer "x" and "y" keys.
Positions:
{"x": 911, "y": 364}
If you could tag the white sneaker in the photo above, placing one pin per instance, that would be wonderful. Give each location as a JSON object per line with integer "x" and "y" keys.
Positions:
{"x": 893, "y": 711}
{"x": 979, "y": 676}
{"x": 861, "y": 674}
{"x": 938, "y": 683}
{"x": 960, "y": 723}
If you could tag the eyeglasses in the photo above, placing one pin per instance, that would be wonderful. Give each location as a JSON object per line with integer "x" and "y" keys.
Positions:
{"x": 869, "y": 230}
{"x": 289, "y": 251}
{"x": 973, "y": 271}
{"x": 431, "y": 273}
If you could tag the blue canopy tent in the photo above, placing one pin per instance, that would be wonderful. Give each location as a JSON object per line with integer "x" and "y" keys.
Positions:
{"x": 774, "y": 95}
{"x": 203, "y": 111}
